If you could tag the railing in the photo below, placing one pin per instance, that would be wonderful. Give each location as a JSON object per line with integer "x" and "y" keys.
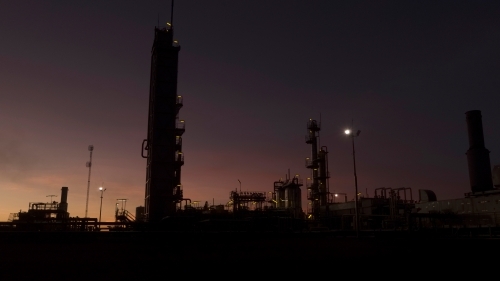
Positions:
{"x": 179, "y": 157}
{"x": 313, "y": 125}
{"x": 179, "y": 101}
{"x": 248, "y": 195}
{"x": 180, "y": 125}
{"x": 310, "y": 163}
{"x": 43, "y": 206}
{"x": 178, "y": 140}
{"x": 129, "y": 216}
{"x": 13, "y": 216}
{"x": 178, "y": 191}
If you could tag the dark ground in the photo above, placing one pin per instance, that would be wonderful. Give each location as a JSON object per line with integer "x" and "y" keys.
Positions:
{"x": 151, "y": 255}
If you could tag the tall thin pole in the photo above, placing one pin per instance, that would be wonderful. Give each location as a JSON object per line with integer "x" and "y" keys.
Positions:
{"x": 102, "y": 189}
{"x": 172, "y": 13}
{"x": 89, "y": 164}
{"x": 355, "y": 188}
{"x": 100, "y": 208}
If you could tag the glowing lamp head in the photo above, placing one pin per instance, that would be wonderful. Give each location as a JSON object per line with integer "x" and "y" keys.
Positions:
{"x": 347, "y": 132}
{"x": 100, "y": 188}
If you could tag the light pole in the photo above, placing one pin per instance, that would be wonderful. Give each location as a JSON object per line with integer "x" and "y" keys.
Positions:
{"x": 356, "y": 212}
{"x": 101, "y": 189}
{"x": 240, "y": 185}
{"x": 89, "y": 165}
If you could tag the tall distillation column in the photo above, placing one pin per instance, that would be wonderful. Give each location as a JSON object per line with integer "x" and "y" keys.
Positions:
{"x": 317, "y": 189}
{"x": 323, "y": 176}
{"x": 163, "y": 146}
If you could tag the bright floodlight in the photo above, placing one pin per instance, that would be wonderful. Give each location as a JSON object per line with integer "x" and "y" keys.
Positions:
{"x": 336, "y": 195}
{"x": 100, "y": 188}
{"x": 347, "y": 132}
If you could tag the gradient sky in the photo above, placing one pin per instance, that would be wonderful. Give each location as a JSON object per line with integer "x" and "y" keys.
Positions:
{"x": 75, "y": 73}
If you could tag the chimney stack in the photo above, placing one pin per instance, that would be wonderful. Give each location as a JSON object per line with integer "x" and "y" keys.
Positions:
{"x": 63, "y": 205}
{"x": 478, "y": 157}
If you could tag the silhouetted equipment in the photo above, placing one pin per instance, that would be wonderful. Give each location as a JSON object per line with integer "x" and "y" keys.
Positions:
{"x": 164, "y": 139}
{"x": 50, "y": 216}
{"x": 89, "y": 165}
{"x": 63, "y": 206}
{"x": 241, "y": 200}
{"x": 287, "y": 195}
{"x": 139, "y": 213}
{"x": 50, "y": 210}
{"x": 478, "y": 157}
{"x": 122, "y": 215}
{"x": 279, "y": 210}
{"x": 426, "y": 195}
{"x": 318, "y": 188}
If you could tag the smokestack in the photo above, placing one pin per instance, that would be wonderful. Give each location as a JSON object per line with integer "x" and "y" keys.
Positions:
{"x": 478, "y": 157}
{"x": 63, "y": 205}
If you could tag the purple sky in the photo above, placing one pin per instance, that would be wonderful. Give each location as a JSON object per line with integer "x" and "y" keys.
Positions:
{"x": 75, "y": 73}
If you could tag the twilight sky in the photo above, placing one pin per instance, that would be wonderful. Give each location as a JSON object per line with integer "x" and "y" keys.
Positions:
{"x": 75, "y": 73}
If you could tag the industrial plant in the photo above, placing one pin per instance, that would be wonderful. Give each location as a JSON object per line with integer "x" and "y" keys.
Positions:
{"x": 278, "y": 209}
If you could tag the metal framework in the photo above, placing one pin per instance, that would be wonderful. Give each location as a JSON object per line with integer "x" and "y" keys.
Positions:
{"x": 163, "y": 146}
{"x": 318, "y": 188}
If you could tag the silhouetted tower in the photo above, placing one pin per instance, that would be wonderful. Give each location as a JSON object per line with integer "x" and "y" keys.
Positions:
{"x": 317, "y": 189}
{"x": 478, "y": 157}
{"x": 164, "y": 142}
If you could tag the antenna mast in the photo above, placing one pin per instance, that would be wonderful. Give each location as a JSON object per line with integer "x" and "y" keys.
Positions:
{"x": 89, "y": 165}
{"x": 172, "y": 13}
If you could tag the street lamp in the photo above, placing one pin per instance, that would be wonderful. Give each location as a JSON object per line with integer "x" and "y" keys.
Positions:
{"x": 356, "y": 213}
{"x": 101, "y": 189}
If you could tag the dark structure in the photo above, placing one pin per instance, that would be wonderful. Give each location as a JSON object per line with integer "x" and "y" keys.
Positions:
{"x": 318, "y": 189}
{"x": 287, "y": 195}
{"x": 41, "y": 211}
{"x": 49, "y": 216}
{"x": 241, "y": 200}
{"x": 139, "y": 213}
{"x": 163, "y": 146}
{"x": 478, "y": 157}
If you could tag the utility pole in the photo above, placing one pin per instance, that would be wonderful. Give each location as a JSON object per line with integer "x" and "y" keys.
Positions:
{"x": 101, "y": 189}
{"x": 356, "y": 207}
{"x": 89, "y": 165}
